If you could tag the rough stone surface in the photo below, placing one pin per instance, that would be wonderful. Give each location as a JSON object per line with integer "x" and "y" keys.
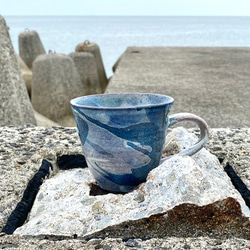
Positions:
{"x": 55, "y": 82}
{"x": 15, "y": 106}
{"x": 176, "y": 243}
{"x": 23, "y": 148}
{"x": 94, "y": 49}
{"x": 26, "y": 74}
{"x": 211, "y": 82}
{"x": 86, "y": 66}
{"x": 181, "y": 188}
{"x": 21, "y": 152}
{"x": 30, "y": 46}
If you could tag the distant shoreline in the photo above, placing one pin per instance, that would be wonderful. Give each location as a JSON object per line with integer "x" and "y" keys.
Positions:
{"x": 114, "y": 33}
{"x": 180, "y": 16}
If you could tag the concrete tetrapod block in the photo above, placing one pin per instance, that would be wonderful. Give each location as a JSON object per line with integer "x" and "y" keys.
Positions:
{"x": 26, "y": 73}
{"x": 183, "y": 196}
{"x": 15, "y": 106}
{"x": 44, "y": 121}
{"x": 86, "y": 65}
{"x": 30, "y": 46}
{"x": 55, "y": 82}
{"x": 94, "y": 49}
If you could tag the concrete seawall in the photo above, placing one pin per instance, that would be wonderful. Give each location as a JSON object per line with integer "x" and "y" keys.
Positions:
{"x": 212, "y": 82}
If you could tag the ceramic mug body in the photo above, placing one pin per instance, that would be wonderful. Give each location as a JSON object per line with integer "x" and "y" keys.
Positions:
{"x": 122, "y": 136}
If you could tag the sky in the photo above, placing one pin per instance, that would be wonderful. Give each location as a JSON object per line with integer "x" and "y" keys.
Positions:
{"x": 126, "y": 7}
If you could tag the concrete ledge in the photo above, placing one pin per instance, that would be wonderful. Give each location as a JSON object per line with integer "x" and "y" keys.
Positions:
{"x": 23, "y": 148}
{"x": 212, "y": 82}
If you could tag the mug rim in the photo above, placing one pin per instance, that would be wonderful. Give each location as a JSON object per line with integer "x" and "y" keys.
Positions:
{"x": 169, "y": 100}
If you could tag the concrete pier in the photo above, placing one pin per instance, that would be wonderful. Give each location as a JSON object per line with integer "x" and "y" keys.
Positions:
{"x": 212, "y": 82}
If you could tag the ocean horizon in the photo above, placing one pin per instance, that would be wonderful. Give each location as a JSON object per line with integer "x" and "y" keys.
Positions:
{"x": 114, "y": 34}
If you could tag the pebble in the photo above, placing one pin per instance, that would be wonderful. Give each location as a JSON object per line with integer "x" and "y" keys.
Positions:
{"x": 132, "y": 243}
{"x": 94, "y": 241}
{"x": 20, "y": 161}
{"x": 186, "y": 246}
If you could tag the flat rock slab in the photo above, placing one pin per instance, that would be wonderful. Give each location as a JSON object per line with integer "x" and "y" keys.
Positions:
{"x": 212, "y": 82}
{"x": 184, "y": 195}
{"x": 23, "y": 148}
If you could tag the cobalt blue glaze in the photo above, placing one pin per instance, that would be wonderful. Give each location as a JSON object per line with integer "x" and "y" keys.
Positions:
{"x": 122, "y": 136}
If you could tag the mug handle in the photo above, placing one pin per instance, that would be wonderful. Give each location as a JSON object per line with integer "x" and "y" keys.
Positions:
{"x": 173, "y": 119}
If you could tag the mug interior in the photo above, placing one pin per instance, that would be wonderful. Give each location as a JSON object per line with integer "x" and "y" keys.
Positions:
{"x": 121, "y": 101}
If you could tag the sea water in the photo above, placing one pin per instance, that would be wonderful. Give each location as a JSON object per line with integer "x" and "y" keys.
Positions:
{"x": 114, "y": 34}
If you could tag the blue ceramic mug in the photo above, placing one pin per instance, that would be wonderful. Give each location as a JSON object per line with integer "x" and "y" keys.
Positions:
{"x": 123, "y": 135}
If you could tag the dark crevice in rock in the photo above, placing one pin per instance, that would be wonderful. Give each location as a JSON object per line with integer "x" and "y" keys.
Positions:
{"x": 65, "y": 162}
{"x": 238, "y": 184}
{"x": 20, "y": 213}
{"x": 220, "y": 159}
{"x": 95, "y": 190}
